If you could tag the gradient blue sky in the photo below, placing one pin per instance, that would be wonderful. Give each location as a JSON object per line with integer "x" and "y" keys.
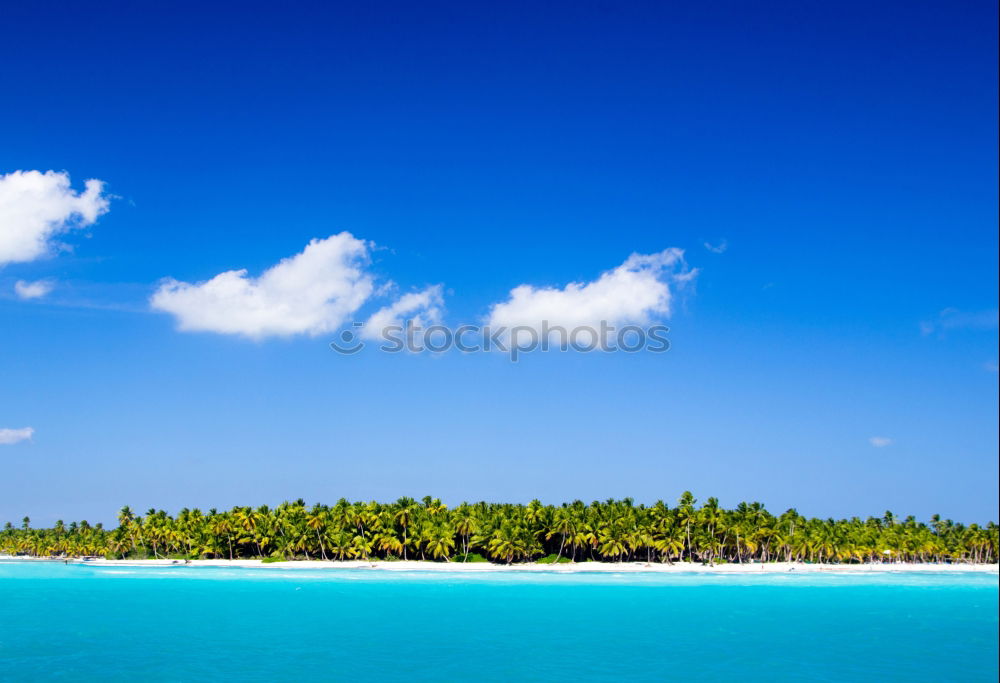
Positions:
{"x": 845, "y": 152}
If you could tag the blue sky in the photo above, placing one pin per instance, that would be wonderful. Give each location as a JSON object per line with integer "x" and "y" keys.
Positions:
{"x": 846, "y": 155}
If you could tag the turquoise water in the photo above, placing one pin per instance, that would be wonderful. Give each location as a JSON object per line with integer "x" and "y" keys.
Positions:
{"x": 74, "y": 622}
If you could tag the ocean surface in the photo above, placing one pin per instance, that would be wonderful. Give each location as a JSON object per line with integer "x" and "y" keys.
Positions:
{"x": 72, "y": 622}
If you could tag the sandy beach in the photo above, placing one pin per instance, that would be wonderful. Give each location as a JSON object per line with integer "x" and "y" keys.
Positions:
{"x": 423, "y": 566}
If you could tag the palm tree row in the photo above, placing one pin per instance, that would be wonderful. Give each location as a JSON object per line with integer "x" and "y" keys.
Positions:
{"x": 614, "y": 530}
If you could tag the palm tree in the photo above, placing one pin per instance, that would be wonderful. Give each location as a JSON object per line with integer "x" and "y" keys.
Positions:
{"x": 406, "y": 509}
{"x": 687, "y": 516}
{"x": 465, "y": 525}
{"x": 316, "y": 520}
{"x": 561, "y": 523}
{"x": 440, "y": 542}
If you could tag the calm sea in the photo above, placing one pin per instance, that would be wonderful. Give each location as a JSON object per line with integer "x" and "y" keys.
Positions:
{"x": 186, "y": 624}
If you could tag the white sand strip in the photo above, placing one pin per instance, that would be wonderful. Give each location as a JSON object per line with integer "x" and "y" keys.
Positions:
{"x": 417, "y": 565}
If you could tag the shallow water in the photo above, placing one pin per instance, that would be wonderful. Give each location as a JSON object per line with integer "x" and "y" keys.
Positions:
{"x": 76, "y": 622}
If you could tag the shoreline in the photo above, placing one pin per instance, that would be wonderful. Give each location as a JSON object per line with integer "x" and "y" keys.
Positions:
{"x": 569, "y": 567}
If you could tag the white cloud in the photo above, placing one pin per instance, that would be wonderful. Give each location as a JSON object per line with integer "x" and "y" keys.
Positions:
{"x": 954, "y": 319}
{"x": 632, "y": 293}
{"x": 423, "y": 308}
{"x": 717, "y": 248}
{"x": 11, "y": 436}
{"x": 880, "y": 441}
{"x": 37, "y": 207}
{"x": 310, "y": 293}
{"x": 33, "y": 290}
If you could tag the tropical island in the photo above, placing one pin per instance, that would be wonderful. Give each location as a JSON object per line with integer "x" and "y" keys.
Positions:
{"x": 613, "y": 531}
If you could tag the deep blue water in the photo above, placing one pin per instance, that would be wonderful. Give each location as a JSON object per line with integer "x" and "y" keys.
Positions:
{"x": 75, "y": 622}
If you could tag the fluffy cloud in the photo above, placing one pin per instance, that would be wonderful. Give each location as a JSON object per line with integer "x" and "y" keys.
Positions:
{"x": 37, "y": 207}
{"x": 310, "y": 293}
{"x": 632, "y": 293}
{"x": 880, "y": 441}
{"x": 33, "y": 290}
{"x": 11, "y": 436}
{"x": 423, "y": 308}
